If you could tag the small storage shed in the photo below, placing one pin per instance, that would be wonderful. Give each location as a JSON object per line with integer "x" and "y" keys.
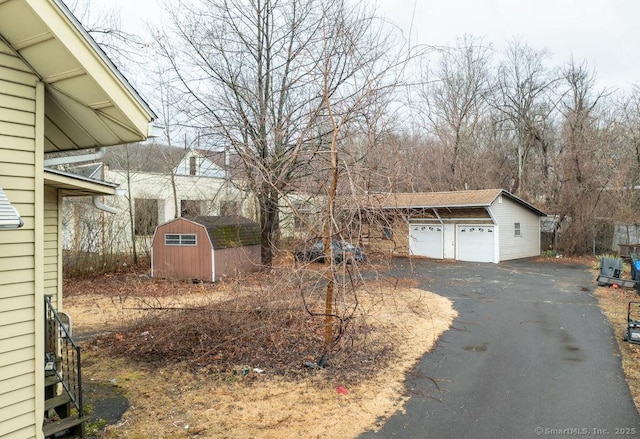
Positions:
{"x": 207, "y": 248}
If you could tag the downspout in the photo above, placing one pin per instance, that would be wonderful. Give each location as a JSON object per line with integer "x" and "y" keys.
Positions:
{"x": 99, "y": 205}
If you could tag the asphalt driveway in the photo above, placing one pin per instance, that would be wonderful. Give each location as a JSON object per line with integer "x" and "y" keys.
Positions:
{"x": 530, "y": 355}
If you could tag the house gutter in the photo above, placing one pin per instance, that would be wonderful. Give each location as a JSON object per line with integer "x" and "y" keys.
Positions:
{"x": 98, "y": 155}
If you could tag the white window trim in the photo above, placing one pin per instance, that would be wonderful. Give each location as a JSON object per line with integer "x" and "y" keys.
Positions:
{"x": 181, "y": 239}
{"x": 517, "y": 230}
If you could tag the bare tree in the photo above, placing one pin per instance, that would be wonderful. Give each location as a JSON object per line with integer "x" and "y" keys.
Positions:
{"x": 104, "y": 25}
{"x": 253, "y": 74}
{"x": 629, "y": 120}
{"x": 457, "y": 99}
{"x": 584, "y": 174}
{"x": 525, "y": 87}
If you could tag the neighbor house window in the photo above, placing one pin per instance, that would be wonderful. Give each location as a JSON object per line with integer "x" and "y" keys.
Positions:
{"x": 191, "y": 208}
{"x": 228, "y": 208}
{"x": 180, "y": 239}
{"x": 302, "y": 217}
{"x": 193, "y": 165}
{"x": 517, "y": 231}
{"x": 146, "y": 216}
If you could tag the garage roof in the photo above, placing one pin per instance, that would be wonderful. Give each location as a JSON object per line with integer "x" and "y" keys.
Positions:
{"x": 455, "y": 199}
{"x": 88, "y": 102}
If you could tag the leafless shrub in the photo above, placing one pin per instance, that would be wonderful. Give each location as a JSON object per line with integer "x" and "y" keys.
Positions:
{"x": 271, "y": 326}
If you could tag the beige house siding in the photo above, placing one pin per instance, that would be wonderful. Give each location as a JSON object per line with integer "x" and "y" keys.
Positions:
{"x": 507, "y": 213}
{"x": 52, "y": 268}
{"x": 18, "y": 177}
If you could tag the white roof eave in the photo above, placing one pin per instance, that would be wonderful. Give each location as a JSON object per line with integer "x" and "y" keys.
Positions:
{"x": 89, "y": 103}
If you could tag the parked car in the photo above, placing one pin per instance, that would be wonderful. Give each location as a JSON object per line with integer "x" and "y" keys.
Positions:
{"x": 341, "y": 250}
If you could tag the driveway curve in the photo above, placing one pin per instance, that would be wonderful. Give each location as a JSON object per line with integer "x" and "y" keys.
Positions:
{"x": 530, "y": 355}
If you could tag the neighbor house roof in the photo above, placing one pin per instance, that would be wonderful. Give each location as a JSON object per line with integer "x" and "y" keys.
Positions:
{"x": 88, "y": 102}
{"x": 147, "y": 157}
{"x": 450, "y": 200}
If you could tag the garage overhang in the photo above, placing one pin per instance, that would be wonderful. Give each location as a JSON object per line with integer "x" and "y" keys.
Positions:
{"x": 88, "y": 102}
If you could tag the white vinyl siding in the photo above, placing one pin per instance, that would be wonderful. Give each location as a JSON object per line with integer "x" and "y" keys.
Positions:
{"x": 507, "y": 213}
{"x": 18, "y": 250}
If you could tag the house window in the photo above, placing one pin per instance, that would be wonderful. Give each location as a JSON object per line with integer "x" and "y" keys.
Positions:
{"x": 387, "y": 233}
{"x": 146, "y": 216}
{"x": 188, "y": 239}
{"x": 191, "y": 208}
{"x": 228, "y": 208}
{"x": 517, "y": 231}
{"x": 193, "y": 165}
{"x": 301, "y": 216}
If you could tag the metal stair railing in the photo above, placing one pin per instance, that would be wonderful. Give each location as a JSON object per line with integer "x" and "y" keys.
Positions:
{"x": 62, "y": 355}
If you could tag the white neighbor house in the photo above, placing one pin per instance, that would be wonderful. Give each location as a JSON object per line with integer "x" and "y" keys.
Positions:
{"x": 156, "y": 183}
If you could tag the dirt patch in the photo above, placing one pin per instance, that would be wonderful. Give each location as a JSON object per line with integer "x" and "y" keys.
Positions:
{"x": 104, "y": 404}
{"x": 261, "y": 390}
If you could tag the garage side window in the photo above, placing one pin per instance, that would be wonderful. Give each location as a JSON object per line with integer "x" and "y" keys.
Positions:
{"x": 180, "y": 239}
{"x": 516, "y": 227}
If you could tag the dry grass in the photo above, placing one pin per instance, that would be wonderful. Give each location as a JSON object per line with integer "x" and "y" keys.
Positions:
{"x": 173, "y": 395}
{"x": 178, "y": 398}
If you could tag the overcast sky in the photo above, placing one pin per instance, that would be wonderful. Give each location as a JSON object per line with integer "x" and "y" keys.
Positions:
{"x": 605, "y": 33}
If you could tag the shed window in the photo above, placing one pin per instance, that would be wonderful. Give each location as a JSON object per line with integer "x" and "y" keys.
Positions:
{"x": 193, "y": 165}
{"x": 180, "y": 239}
{"x": 516, "y": 227}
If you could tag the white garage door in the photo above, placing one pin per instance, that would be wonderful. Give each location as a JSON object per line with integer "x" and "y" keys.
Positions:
{"x": 475, "y": 243}
{"x": 425, "y": 240}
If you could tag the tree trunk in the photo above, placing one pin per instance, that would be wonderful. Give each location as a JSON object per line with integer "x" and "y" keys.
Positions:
{"x": 268, "y": 202}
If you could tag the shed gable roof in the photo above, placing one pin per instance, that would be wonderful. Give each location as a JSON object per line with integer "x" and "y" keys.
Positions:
{"x": 224, "y": 231}
{"x": 230, "y": 231}
{"x": 88, "y": 102}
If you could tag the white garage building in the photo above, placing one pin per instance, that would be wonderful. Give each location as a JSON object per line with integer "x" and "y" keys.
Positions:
{"x": 489, "y": 225}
